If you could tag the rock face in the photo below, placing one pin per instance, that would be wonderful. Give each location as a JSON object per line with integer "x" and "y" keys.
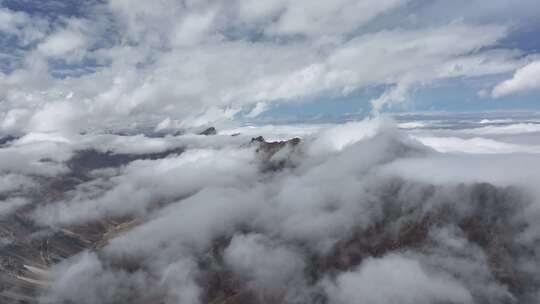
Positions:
{"x": 272, "y": 147}
{"x": 209, "y": 131}
{"x": 275, "y": 155}
{"x": 25, "y": 260}
{"x": 26, "y": 253}
{"x": 85, "y": 161}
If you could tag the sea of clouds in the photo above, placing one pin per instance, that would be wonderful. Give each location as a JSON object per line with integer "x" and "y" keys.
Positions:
{"x": 374, "y": 211}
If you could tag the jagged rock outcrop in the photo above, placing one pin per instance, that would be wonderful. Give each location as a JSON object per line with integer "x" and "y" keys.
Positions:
{"x": 275, "y": 155}
{"x": 209, "y": 131}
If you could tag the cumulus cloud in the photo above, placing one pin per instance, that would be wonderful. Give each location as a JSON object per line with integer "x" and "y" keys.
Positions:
{"x": 525, "y": 79}
{"x": 101, "y": 286}
{"x": 61, "y": 43}
{"x": 11, "y": 182}
{"x": 58, "y": 116}
{"x": 27, "y": 29}
{"x": 146, "y": 182}
{"x": 339, "y": 137}
{"x": 327, "y": 17}
{"x": 269, "y": 267}
{"x": 209, "y": 61}
{"x": 395, "y": 279}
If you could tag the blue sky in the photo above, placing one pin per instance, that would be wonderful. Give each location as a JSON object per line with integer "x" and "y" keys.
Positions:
{"x": 82, "y": 64}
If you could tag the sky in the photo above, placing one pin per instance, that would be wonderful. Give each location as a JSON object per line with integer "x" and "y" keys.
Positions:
{"x": 77, "y": 65}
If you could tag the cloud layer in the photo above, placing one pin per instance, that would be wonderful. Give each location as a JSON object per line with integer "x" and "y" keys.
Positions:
{"x": 201, "y": 62}
{"x": 525, "y": 79}
{"x": 358, "y": 212}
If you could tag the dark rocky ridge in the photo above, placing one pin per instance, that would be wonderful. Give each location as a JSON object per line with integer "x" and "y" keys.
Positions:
{"x": 272, "y": 147}
{"x": 209, "y": 131}
{"x": 267, "y": 150}
{"x": 85, "y": 161}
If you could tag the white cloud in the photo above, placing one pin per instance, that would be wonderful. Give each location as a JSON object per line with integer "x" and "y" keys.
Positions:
{"x": 201, "y": 62}
{"x": 263, "y": 263}
{"x": 328, "y": 17}
{"x": 142, "y": 183}
{"x": 103, "y": 285}
{"x": 510, "y": 169}
{"x": 475, "y": 145}
{"x": 11, "y": 205}
{"x": 57, "y": 116}
{"x": 259, "y": 108}
{"x": 13, "y": 182}
{"x": 26, "y": 28}
{"x": 341, "y": 136}
{"x": 62, "y": 43}
{"x": 515, "y": 128}
{"x": 193, "y": 29}
{"x": 395, "y": 279}
{"x": 525, "y": 79}
{"x": 9, "y": 20}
